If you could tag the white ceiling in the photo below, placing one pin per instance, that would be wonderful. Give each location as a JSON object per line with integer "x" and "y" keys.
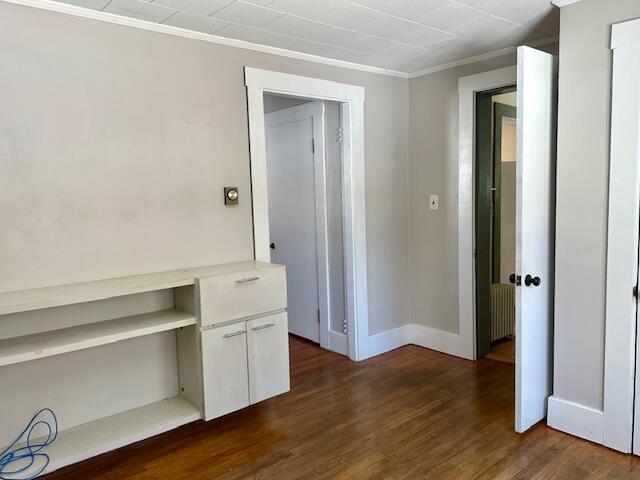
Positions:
{"x": 400, "y": 35}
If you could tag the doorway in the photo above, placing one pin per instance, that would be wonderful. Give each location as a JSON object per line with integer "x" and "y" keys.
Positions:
{"x": 495, "y": 195}
{"x": 535, "y": 76}
{"x": 304, "y": 162}
{"x": 349, "y": 99}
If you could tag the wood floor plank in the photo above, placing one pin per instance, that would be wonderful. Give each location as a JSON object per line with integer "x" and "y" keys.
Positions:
{"x": 408, "y": 414}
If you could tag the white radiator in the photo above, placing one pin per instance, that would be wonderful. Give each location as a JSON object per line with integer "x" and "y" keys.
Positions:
{"x": 503, "y": 311}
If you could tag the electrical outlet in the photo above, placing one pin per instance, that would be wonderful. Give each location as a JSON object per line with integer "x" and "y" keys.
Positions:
{"x": 434, "y": 202}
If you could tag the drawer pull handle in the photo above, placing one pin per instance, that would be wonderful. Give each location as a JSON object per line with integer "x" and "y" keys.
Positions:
{"x": 247, "y": 280}
{"x": 234, "y": 334}
{"x": 262, "y": 327}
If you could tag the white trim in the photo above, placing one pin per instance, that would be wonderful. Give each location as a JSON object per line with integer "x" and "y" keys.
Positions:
{"x": 414, "y": 334}
{"x": 438, "y": 340}
{"x": 481, "y": 57}
{"x": 564, "y": 3}
{"x": 77, "y": 11}
{"x": 467, "y": 89}
{"x": 338, "y": 343}
{"x": 181, "y": 32}
{"x": 575, "y": 419}
{"x": 322, "y": 239}
{"x": 390, "y": 340}
{"x": 353, "y": 177}
{"x": 625, "y": 34}
{"x": 622, "y": 242}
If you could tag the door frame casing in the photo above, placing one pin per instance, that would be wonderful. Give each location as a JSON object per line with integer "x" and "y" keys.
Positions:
{"x": 351, "y": 98}
{"x": 620, "y": 380}
{"x": 315, "y": 110}
{"x": 468, "y": 87}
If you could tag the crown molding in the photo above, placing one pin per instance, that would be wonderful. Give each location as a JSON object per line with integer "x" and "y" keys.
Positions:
{"x": 74, "y": 10}
{"x": 181, "y": 32}
{"x": 481, "y": 57}
{"x": 563, "y": 3}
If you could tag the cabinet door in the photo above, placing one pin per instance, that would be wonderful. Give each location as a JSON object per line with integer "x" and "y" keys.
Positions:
{"x": 268, "y": 346}
{"x": 224, "y": 370}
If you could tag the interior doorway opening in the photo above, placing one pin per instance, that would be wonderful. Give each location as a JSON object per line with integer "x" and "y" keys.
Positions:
{"x": 536, "y": 78}
{"x": 303, "y": 144}
{"x": 495, "y": 216}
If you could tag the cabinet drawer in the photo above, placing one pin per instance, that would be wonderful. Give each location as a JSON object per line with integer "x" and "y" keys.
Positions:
{"x": 239, "y": 295}
{"x": 224, "y": 370}
{"x": 268, "y": 349}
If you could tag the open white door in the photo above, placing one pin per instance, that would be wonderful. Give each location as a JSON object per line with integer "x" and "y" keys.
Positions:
{"x": 535, "y": 226}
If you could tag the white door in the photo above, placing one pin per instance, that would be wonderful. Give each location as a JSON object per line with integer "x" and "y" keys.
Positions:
{"x": 293, "y": 229}
{"x": 535, "y": 206}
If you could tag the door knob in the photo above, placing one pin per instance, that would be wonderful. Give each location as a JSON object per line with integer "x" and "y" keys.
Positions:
{"x": 272, "y": 246}
{"x": 529, "y": 280}
{"x": 515, "y": 279}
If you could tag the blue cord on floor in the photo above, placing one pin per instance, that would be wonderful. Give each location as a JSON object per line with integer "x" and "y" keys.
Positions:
{"x": 26, "y": 462}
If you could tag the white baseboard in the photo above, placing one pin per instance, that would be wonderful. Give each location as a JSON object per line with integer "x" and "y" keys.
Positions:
{"x": 414, "y": 334}
{"x": 576, "y": 419}
{"x": 435, "y": 339}
{"x": 338, "y": 342}
{"x": 390, "y": 340}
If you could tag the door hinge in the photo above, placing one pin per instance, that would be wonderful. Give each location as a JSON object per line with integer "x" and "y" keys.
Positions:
{"x": 635, "y": 292}
{"x": 339, "y": 136}
{"x": 313, "y": 145}
{"x": 318, "y": 315}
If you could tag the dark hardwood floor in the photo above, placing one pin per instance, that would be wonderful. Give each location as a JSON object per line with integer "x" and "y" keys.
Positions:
{"x": 409, "y": 414}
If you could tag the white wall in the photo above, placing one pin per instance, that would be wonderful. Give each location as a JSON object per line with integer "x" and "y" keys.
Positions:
{"x": 582, "y": 195}
{"x": 116, "y": 143}
{"x": 433, "y": 168}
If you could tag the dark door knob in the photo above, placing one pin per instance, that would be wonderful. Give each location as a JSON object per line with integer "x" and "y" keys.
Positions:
{"x": 515, "y": 279}
{"x": 529, "y": 280}
{"x": 272, "y": 246}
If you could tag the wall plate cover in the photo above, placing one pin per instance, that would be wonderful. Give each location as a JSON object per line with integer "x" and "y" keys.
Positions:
{"x": 434, "y": 202}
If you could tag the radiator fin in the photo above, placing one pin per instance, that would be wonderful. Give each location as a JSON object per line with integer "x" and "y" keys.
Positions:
{"x": 503, "y": 311}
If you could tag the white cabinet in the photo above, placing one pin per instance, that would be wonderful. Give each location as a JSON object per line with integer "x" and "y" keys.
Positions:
{"x": 268, "y": 353}
{"x": 224, "y": 366}
{"x": 244, "y": 338}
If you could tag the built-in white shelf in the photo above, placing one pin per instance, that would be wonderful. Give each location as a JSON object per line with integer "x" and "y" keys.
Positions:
{"x": 113, "y": 432}
{"x": 236, "y": 284}
{"x": 34, "y": 299}
{"x": 56, "y": 342}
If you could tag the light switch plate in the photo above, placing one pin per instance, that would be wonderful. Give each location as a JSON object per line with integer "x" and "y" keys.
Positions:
{"x": 434, "y": 202}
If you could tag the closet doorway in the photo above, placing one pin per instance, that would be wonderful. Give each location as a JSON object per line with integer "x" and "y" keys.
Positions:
{"x": 343, "y": 329}
{"x": 535, "y": 77}
{"x": 303, "y": 148}
{"x": 496, "y": 123}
